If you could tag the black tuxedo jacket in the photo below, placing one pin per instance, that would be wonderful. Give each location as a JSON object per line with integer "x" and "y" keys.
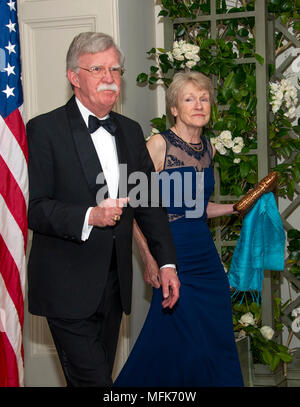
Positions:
{"x": 66, "y": 276}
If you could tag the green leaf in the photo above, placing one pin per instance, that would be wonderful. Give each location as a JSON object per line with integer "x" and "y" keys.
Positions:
{"x": 152, "y": 51}
{"x": 164, "y": 67}
{"x": 296, "y": 129}
{"x": 159, "y": 123}
{"x": 286, "y": 5}
{"x": 275, "y": 2}
{"x": 243, "y": 32}
{"x": 154, "y": 69}
{"x": 286, "y": 357}
{"x": 297, "y": 26}
{"x": 295, "y": 255}
{"x": 274, "y": 362}
{"x": 163, "y": 13}
{"x": 237, "y": 190}
{"x": 251, "y": 105}
{"x": 153, "y": 80}
{"x": 251, "y": 82}
{"x": 293, "y": 233}
{"x": 228, "y": 85}
{"x": 164, "y": 59}
{"x": 259, "y": 58}
{"x": 294, "y": 245}
{"x": 267, "y": 357}
{"x": 244, "y": 169}
{"x": 252, "y": 178}
{"x": 180, "y": 31}
{"x": 142, "y": 77}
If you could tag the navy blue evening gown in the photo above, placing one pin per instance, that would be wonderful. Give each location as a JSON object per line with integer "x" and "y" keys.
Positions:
{"x": 192, "y": 344}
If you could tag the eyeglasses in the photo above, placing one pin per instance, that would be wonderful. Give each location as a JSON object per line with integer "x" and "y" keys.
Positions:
{"x": 99, "y": 71}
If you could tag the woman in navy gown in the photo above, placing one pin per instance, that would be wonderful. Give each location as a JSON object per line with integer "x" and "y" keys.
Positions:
{"x": 193, "y": 344}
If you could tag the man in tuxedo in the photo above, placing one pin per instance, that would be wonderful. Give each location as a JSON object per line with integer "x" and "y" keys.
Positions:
{"x": 80, "y": 265}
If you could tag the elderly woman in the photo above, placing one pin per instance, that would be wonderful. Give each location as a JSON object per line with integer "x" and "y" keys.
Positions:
{"x": 193, "y": 344}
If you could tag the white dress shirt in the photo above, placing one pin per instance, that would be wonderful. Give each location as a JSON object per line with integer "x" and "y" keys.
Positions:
{"x": 105, "y": 146}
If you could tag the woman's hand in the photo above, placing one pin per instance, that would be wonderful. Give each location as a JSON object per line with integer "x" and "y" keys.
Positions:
{"x": 151, "y": 272}
{"x": 215, "y": 209}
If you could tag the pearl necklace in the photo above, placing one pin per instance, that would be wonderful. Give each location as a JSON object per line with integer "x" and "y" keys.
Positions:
{"x": 197, "y": 149}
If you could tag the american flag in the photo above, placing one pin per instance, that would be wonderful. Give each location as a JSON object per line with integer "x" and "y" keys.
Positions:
{"x": 13, "y": 200}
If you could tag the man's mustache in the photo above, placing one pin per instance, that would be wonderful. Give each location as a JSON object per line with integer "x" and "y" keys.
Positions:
{"x": 108, "y": 86}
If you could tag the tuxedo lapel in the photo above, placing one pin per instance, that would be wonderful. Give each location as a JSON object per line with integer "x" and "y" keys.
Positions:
{"x": 120, "y": 141}
{"x": 123, "y": 156}
{"x": 85, "y": 147}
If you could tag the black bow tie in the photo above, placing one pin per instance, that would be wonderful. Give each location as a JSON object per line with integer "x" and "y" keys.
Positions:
{"x": 95, "y": 123}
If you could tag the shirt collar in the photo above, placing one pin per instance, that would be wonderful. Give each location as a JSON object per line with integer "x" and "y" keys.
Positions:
{"x": 85, "y": 112}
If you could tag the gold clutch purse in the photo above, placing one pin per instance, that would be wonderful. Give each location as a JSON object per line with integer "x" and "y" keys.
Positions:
{"x": 267, "y": 184}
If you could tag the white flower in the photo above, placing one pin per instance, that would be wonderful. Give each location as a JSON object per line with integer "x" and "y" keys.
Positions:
{"x": 290, "y": 94}
{"x": 274, "y": 86}
{"x": 279, "y": 95}
{"x": 189, "y": 55}
{"x": 291, "y": 112}
{"x": 196, "y": 58}
{"x": 296, "y": 312}
{"x": 267, "y": 332}
{"x": 179, "y": 57}
{"x": 284, "y": 96}
{"x": 214, "y": 140}
{"x": 220, "y": 148}
{"x": 225, "y": 135}
{"x": 190, "y": 64}
{"x": 237, "y": 160}
{"x": 187, "y": 47}
{"x": 237, "y": 149}
{"x": 170, "y": 56}
{"x": 177, "y": 54}
{"x": 228, "y": 143}
{"x": 239, "y": 141}
{"x": 247, "y": 319}
{"x": 196, "y": 49}
{"x": 276, "y": 107}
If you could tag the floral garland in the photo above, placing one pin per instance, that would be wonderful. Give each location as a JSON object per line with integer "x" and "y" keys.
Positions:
{"x": 283, "y": 96}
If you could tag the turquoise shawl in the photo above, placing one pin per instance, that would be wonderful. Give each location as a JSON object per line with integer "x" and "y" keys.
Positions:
{"x": 260, "y": 246}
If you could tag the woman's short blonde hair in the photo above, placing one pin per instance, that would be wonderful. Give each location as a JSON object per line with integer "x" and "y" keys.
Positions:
{"x": 180, "y": 79}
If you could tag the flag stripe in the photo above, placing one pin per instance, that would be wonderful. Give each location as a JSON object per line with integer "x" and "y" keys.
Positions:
{"x": 9, "y": 376}
{"x": 16, "y": 125}
{"x": 11, "y": 279}
{"x": 13, "y": 155}
{"x": 14, "y": 198}
{"x": 14, "y": 240}
{"x": 10, "y": 324}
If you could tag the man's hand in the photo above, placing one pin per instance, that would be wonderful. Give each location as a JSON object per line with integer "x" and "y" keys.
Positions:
{"x": 151, "y": 272}
{"x": 108, "y": 212}
{"x": 170, "y": 286}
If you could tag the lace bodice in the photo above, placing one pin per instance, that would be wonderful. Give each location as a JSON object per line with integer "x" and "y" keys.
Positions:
{"x": 180, "y": 154}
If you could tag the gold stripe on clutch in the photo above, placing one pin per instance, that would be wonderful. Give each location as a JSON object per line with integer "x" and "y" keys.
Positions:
{"x": 267, "y": 184}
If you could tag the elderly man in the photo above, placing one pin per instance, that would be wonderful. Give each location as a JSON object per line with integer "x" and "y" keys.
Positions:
{"x": 80, "y": 265}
